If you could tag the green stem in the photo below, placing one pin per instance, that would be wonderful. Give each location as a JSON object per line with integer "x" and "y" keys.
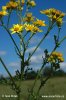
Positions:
{"x": 37, "y": 94}
{"x": 12, "y": 38}
{"x": 49, "y": 28}
{"x": 41, "y": 70}
{"x": 9, "y": 18}
{"x": 25, "y": 35}
{"x": 44, "y": 63}
{"x": 62, "y": 40}
{"x": 58, "y": 33}
{"x": 35, "y": 82}
{"x": 6, "y": 69}
{"x": 43, "y": 67}
{"x": 30, "y": 39}
{"x": 22, "y": 59}
{"x": 40, "y": 41}
{"x": 22, "y": 50}
{"x": 17, "y": 88}
{"x": 22, "y": 69}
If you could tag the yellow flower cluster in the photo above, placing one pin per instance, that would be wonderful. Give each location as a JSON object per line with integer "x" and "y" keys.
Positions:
{"x": 11, "y": 5}
{"x": 32, "y": 28}
{"x": 54, "y": 15}
{"x": 31, "y": 3}
{"x": 28, "y": 17}
{"x": 3, "y": 12}
{"x": 4, "y": 8}
{"x": 20, "y": 4}
{"x": 23, "y": 1}
{"x": 56, "y": 56}
{"x": 39, "y": 22}
{"x": 17, "y": 28}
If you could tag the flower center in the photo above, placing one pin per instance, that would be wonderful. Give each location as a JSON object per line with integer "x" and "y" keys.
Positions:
{"x": 16, "y": 28}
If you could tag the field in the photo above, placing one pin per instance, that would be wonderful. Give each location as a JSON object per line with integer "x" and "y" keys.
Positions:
{"x": 54, "y": 86}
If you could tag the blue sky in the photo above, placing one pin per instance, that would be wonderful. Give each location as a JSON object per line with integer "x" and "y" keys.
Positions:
{"x": 7, "y": 51}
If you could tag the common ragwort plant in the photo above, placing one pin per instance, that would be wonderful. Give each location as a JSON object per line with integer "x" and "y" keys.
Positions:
{"x": 29, "y": 25}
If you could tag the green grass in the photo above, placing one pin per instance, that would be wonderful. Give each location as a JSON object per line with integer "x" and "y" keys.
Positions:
{"x": 54, "y": 86}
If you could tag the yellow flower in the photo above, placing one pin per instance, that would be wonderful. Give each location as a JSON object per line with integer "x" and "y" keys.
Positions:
{"x": 53, "y": 60}
{"x": 32, "y": 28}
{"x": 12, "y": 5}
{"x": 62, "y": 15}
{"x": 51, "y": 57}
{"x": 28, "y": 17}
{"x": 56, "y": 56}
{"x": 33, "y": 3}
{"x": 17, "y": 28}
{"x": 59, "y": 22}
{"x": 39, "y": 23}
{"x": 54, "y": 15}
{"x": 23, "y": 1}
{"x": 54, "y": 53}
{"x": 4, "y": 8}
{"x": 47, "y": 12}
{"x": 62, "y": 60}
{"x": 29, "y": 27}
{"x": 36, "y": 29}
{"x": 52, "y": 12}
{"x": 3, "y": 13}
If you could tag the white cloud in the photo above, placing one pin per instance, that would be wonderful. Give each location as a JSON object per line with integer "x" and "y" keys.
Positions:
{"x": 35, "y": 40}
{"x": 32, "y": 49}
{"x": 63, "y": 64}
{"x": 37, "y": 59}
{"x": 2, "y": 53}
{"x": 14, "y": 64}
